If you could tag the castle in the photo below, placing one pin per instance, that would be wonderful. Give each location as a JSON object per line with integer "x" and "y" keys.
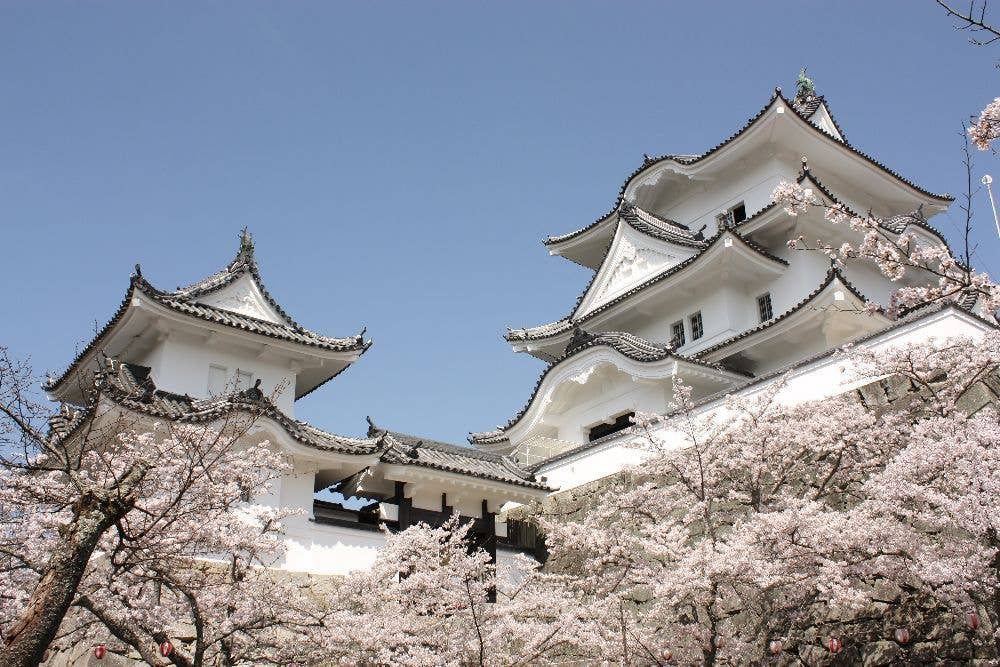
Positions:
{"x": 693, "y": 281}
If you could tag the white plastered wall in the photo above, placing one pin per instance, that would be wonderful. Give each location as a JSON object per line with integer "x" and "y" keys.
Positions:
{"x": 180, "y": 364}
{"x": 752, "y": 182}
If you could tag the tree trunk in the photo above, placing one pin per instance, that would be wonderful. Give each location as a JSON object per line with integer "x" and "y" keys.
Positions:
{"x": 26, "y": 640}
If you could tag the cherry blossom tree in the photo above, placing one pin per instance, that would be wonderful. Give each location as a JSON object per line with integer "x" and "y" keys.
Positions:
{"x": 940, "y": 276}
{"x": 757, "y": 528}
{"x": 972, "y": 20}
{"x": 132, "y": 534}
{"x": 427, "y": 598}
{"x": 986, "y": 129}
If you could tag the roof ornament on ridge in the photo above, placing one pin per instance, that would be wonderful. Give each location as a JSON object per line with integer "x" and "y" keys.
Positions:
{"x": 246, "y": 246}
{"x": 804, "y": 86}
{"x": 807, "y": 102}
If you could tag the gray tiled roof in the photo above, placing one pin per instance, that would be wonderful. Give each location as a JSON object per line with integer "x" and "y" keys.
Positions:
{"x": 183, "y": 300}
{"x": 129, "y": 386}
{"x": 294, "y": 334}
{"x": 804, "y": 109}
{"x": 896, "y": 224}
{"x": 494, "y": 437}
{"x": 914, "y": 316}
{"x": 659, "y": 228}
{"x": 569, "y": 322}
{"x": 414, "y": 450}
{"x": 629, "y": 345}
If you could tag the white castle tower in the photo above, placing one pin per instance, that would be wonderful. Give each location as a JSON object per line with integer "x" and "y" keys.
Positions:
{"x": 694, "y": 281}
{"x": 223, "y": 345}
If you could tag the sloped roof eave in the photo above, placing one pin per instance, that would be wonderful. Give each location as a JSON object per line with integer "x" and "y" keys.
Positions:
{"x": 117, "y": 384}
{"x": 686, "y": 161}
{"x": 833, "y": 275}
{"x": 911, "y": 318}
{"x": 556, "y": 329}
{"x": 139, "y": 285}
{"x": 841, "y": 145}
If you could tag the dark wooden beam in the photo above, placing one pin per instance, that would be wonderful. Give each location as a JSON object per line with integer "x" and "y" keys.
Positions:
{"x": 405, "y": 505}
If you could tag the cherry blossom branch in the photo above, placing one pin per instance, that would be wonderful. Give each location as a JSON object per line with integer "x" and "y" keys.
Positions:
{"x": 895, "y": 255}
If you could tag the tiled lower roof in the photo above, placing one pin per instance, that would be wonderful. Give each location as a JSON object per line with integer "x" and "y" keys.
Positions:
{"x": 896, "y": 224}
{"x": 410, "y": 449}
{"x": 663, "y": 229}
{"x": 129, "y": 386}
{"x": 626, "y": 344}
{"x": 494, "y": 437}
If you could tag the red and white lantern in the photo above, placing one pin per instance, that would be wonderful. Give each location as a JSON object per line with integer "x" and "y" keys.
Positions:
{"x": 100, "y": 651}
{"x": 972, "y": 620}
{"x": 776, "y": 647}
{"x": 902, "y": 636}
{"x": 166, "y": 648}
{"x": 834, "y": 645}
{"x": 666, "y": 655}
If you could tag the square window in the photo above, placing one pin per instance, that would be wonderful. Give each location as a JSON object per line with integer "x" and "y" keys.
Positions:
{"x": 218, "y": 376}
{"x": 677, "y": 334}
{"x": 620, "y": 423}
{"x": 764, "y": 307}
{"x": 697, "y": 328}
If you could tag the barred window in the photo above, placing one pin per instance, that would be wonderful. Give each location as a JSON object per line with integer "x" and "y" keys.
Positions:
{"x": 732, "y": 216}
{"x": 697, "y": 329}
{"x": 677, "y": 334}
{"x": 764, "y": 307}
{"x": 620, "y": 423}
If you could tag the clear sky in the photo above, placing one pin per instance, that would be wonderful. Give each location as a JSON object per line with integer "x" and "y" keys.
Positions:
{"x": 400, "y": 163}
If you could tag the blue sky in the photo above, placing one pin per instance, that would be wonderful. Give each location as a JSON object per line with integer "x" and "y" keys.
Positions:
{"x": 399, "y": 164}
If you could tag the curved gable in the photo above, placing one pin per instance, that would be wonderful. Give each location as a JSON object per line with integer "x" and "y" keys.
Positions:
{"x": 243, "y": 296}
{"x": 632, "y": 258}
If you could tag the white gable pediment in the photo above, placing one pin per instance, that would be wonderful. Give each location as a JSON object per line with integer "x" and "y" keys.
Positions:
{"x": 822, "y": 119}
{"x": 245, "y": 298}
{"x": 633, "y": 258}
